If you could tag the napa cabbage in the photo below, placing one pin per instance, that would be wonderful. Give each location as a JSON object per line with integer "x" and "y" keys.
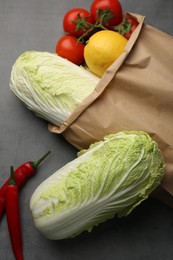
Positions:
{"x": 50, "y": 85}
{"x": 110, "y": 178}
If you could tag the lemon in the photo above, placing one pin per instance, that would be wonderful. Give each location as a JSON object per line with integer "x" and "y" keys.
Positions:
{"x": 102, "y": 49}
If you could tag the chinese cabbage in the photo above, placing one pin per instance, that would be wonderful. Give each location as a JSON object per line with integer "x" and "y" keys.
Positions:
{"x": 50, "y": 85}
{"x": 111, "y": 178}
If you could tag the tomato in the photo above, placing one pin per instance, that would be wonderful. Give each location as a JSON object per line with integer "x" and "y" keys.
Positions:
{"x": 115, "y": 9}
{"x": 128, "y": 25}
{"x": 77, "y": 21}
{"x": 68, "y": 47}
{"x": 131, "y": 24}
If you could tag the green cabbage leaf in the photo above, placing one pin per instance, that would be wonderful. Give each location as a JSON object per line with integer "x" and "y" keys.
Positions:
{"x": 50, "y": 85}
{"x": 111, "y": 178}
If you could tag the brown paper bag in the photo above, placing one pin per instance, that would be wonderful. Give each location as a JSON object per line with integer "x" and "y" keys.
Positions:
{"x": 135, "y": 93}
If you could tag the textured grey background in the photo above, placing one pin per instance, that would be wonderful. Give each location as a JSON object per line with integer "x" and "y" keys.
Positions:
{"x": 147, "y": 234}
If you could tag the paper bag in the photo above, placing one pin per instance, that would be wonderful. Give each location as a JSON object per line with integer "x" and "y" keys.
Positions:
{"x": 135, "y": 93}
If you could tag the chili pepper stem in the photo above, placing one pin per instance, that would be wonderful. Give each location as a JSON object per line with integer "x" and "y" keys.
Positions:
{"x": 12, "y": 181}
{"x": 36, "y": 163}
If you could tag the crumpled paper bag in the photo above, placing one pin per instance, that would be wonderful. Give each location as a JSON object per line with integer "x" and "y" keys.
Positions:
{"x": 135, "y": 93}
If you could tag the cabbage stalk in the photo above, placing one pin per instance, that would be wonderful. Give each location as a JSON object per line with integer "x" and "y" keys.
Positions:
{"x": 51, "y": 86}
{"x": 109, "y": 179}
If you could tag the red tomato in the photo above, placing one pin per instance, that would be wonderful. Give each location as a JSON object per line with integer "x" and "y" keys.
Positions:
{"x": 131, "y": 24}
{"x": 69, "y": 48}
{"x": 77, "y": 21}
{"x": 128, "y": 25}
{"x": 113, "y": 5}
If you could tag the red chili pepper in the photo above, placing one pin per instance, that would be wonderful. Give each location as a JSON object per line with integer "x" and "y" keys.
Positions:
{"x": 21, "y": 175}
{"x": 13, "y": 216}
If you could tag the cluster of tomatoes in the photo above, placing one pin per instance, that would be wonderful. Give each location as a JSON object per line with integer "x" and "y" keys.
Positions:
{"x": 79, "y": 24}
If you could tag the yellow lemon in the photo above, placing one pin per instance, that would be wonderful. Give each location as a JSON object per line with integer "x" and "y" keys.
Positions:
{"x": 102, "y": 49}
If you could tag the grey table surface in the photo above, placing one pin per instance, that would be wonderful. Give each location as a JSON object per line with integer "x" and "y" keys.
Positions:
{"x": 146, "y": 234}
